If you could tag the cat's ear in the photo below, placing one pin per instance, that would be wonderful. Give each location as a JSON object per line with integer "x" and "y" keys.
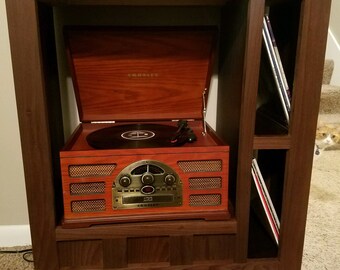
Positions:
{"x": 336, "y": 138}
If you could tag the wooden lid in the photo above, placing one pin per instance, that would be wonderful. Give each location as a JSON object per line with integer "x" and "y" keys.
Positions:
{"x": 144, "y": 73}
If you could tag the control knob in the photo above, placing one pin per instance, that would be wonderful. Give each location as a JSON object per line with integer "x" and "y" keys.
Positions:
{"x": 170, "y": 179}
{"x": 147, "y": 178}
{"x": 125, "y": 181}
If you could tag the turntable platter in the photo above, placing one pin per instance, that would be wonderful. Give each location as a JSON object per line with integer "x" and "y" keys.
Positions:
{"x": 132, "y": 136}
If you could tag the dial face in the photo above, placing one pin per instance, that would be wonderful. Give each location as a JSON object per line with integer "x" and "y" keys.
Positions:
{"x": 148, "y": 178}
{"x": 125, "y": 181}
{"x": 145, "y": 184}
{"x": 170, "y": 179}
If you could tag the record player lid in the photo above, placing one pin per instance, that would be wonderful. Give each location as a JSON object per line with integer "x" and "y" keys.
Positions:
{"x": 140, "y": 73}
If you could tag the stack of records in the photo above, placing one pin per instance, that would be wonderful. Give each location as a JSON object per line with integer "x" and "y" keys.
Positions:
{"x": 276, "y": 66}
{"x": 266, "y": 201}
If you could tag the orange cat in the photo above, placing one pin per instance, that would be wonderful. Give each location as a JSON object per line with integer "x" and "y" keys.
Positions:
{"x": 327, "y": 137}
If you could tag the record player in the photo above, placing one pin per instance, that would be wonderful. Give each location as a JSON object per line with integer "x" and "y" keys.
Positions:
{"x": 143, "y": 150}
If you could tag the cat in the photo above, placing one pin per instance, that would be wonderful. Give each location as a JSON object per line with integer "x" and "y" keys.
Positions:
{"x": 327, "y": 138}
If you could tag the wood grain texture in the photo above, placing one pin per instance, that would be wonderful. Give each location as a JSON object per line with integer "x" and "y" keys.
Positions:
{"x": 212, "y": 265}
{"x": 143, "y": 250}
{"x": 123, "y": 159}
{"x": 80, "y": 254}
{"x": 151, "y": 229}
{"x": 181, "y": 249}
{"x": 306, "y": 98}
{"x": 140, "y": 73}
{"x": 115, "y": 253}
{"x": 247, "y": 126}
{"x": 137, "y": 2}
{"x": 34, "y": 128}
{"x": 214, "y": 247}
{"x": 272, "y": 142}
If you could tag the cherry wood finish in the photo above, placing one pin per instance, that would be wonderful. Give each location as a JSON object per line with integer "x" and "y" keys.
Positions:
{"x": 220, "y": 244}
{"x": 145, "y": 72}
{"x": 122, "y": 159}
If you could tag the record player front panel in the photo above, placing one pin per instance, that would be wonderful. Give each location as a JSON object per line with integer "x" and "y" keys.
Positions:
{"x": 91, "y": 185}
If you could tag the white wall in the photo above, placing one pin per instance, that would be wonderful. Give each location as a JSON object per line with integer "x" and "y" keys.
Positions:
{"x": 335, "y": 19}
{"x": 13, "y": 206}
{"x": 333, "y": 42}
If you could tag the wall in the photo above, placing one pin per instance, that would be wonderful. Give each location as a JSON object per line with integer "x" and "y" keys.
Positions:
{"x": 333, "y": 43}
{"x": 13, "y": 206}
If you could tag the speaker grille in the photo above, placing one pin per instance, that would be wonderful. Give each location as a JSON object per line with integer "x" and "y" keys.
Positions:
{"x": 205, "y": 183}
{"x": 88, "y": 206}
{"x": 87, "y": 188}
{"x": 91, "y": 170}
{"x": 205, "y": 199}
{"x": 201, "y": 165}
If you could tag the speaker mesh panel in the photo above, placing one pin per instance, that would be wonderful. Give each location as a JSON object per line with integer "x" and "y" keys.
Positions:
{"x": 205, "y": 183}
{"x": 200, "y": 165}
{"x": 91, "y": 170}
{"x": 88, "y": 206}
{"x": 205, "y": 199}
{"x": 87, "y": 188}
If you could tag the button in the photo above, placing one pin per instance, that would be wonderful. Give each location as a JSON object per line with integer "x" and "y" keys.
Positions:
{"x": 148, "y": 190}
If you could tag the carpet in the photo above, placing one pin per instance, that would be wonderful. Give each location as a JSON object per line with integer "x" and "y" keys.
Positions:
{"x": 322, "y": 238}
{"x": 15, "y": 261}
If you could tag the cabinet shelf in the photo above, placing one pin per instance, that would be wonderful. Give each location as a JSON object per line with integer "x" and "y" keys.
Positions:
{"x": 272, "y": 142}
{"x": 136, "y": 2}
{"x": 142, "y": 229}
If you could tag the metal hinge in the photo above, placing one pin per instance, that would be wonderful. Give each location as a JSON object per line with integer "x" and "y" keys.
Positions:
{"x": 103, "y": 122}
{"x": 204, "y": 112}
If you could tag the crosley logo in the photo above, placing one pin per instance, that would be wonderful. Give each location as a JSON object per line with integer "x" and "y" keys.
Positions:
{"x": 142, "y": 75}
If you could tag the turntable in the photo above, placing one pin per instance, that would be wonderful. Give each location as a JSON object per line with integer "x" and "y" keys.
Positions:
{"x": 143, "y": 150}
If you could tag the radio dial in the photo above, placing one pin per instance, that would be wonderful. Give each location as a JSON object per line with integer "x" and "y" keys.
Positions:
{"x": 125, "y": 181}
{"x": 170, "y": 179}
{"x": 148, "y": 179}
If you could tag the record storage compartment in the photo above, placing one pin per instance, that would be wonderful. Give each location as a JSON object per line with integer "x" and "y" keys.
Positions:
{"x": 186, "y": 243}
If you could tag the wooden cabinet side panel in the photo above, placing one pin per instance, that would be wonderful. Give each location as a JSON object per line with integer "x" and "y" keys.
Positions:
{"x": 34, "y": 131}
{"x": 306, "y": 98}
{"x": 247, "y": 126}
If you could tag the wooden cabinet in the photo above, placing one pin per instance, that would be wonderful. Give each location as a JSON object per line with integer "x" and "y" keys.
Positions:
{"x": 240, "y": 243}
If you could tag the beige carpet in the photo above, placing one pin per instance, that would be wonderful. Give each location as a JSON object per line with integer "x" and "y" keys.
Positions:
{"x": 15, "y": 261}
{"x": 322, "y": 241}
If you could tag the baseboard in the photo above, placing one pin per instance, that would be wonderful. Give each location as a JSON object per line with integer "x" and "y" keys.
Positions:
{"x": 15, "y": 235}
